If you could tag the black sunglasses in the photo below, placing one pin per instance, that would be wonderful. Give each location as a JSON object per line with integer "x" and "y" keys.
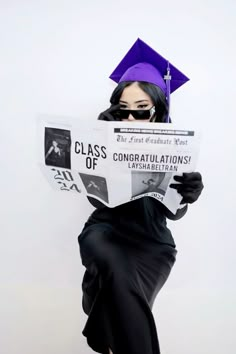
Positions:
{"x": 137, "y": 114}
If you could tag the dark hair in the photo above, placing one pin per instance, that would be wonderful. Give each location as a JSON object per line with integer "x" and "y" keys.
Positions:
{"x": 156, "y": 94}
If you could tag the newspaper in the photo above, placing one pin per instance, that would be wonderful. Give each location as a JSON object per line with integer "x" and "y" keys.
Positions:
{"x": 116, "y": 162}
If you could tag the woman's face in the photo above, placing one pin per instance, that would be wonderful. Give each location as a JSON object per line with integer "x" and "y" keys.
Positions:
{"x": 134, "y": 98}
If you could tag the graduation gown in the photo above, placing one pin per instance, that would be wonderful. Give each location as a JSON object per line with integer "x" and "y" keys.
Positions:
{"x": 128, "y": 252}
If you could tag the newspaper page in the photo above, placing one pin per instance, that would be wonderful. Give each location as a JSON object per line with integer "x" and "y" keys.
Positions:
{"x": 116, "y": 162}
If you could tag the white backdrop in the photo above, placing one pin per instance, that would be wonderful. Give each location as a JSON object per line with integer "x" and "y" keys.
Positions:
{"x": 55, "y": 58}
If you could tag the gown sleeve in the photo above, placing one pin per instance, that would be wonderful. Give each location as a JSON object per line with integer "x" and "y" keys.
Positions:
{"x": 178, "y": 215}
{"x": 95, "y": 203}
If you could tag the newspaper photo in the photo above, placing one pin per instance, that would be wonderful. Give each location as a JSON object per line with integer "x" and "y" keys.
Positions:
{"x": 116, "y": 162}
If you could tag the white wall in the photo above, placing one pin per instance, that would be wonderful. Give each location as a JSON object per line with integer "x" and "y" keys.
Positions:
{"x": 55, "y": 58}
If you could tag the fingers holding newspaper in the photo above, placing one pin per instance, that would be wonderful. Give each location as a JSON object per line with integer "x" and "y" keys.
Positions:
{"x": 190, "y": 186}
{"x": 108, "y": 114}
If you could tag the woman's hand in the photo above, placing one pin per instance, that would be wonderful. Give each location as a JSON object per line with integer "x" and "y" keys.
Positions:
{"x": 108, "y": 114}
{"x": 190, "y": 186}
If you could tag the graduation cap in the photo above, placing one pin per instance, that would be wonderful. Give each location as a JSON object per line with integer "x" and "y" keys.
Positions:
{"x": 142, "y": 63}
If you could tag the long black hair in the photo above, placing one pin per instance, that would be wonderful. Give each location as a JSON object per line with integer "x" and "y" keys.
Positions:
{"x": 157, "y": 96}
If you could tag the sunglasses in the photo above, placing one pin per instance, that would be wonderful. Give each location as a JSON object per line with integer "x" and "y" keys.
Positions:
{"x": 137, "y": 114}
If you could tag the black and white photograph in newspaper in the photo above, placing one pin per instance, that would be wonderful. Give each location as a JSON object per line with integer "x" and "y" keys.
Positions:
{"x": 57, "y": 147}
{"x": 95, "y": 185}
{"x": 146, "y": 182}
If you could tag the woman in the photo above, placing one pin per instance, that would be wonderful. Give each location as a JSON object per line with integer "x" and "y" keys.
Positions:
{"x": 128, "y": 251}
{"x": 53, "y": 155}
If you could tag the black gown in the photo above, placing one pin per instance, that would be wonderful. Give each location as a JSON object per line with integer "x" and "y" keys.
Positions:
{"x": 128, "y": 252}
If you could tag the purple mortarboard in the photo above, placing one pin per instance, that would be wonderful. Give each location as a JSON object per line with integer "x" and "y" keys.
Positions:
{"x": 142, "y": 63}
